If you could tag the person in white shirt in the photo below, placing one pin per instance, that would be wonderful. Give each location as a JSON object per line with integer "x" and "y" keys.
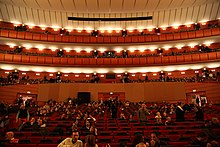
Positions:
{"x": 72, "y": 142}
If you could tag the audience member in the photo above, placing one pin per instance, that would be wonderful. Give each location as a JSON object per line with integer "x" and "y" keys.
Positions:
{"x": 180, "y": 112}
{"x": 73, "y": 141}
{"x": 10, "y": 137}
{"x": 90, "y": 141}
{"x": 155, "y": 141}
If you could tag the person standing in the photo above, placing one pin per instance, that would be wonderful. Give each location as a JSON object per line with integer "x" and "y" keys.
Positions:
{"x": 73, "y": 141}
{"x": 22, "y": 115}
{"x": 143, "y": 113}
{"x": 180, "y": 112}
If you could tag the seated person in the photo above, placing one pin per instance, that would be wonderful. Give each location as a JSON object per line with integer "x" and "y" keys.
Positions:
{"x": 10, "y": 137}
{"x": 154, "y": 140}
{"x": 90, "y": 141}
{"x": 201, "y": 140}
{"x": 122, "y": 117}
{"x": 72, "y": 142}
{"x": 169, "y": 121}
{"x": 158, "y": 118}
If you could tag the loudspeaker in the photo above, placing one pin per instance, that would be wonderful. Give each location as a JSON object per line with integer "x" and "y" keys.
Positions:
{"x": 83, "y": 97}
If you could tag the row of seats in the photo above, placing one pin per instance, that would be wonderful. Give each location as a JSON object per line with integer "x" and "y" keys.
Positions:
{"x": 109, "y": 61}
{"x": 110, "y": 39}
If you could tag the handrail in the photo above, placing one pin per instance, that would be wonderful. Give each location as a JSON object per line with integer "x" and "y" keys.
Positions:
{"x": 110, "y": 39}
{"x": 143, "y": 61}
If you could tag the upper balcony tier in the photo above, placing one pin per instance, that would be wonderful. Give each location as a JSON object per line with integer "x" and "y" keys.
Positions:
{"x": 134, "y": 36}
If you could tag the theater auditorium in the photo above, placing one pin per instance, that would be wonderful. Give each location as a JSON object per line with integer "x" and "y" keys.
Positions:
{"x": 109, "y": 73}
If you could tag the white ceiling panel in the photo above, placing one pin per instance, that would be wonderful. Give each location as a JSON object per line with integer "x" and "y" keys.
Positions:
{"x": 188, "y": 3}
{"x": 128, "y": 5}
{"x": 64, "y": 19}
{"x": 30, "y": 16}
{"x": 53, "y": 18}
{"x": 19, "y": 3}
{"x": 36, "y": 16}
{"x": 177, "y": 16}
{"x": 200, "y": 2}
{"x": 45, "y": 4}
{"x": 58, "y": 18}
{"x": 69, "y": 5}
{"x": 140, "y": 5}
{"x": 11, "y": 13}
{"x": 166, "y": 18}
{"x": 4, "y": 12}
{"x": 32, "y": 4}
{"x": 189, "y": 15}
{"x": 92, "y": 5}
{"x": 104, "y": 5}
{"x": 195, "y": 13}
{"x": 41, "y": 17}
{"x": 164, "y": 4}
{"x": 47, "y": 18}
{"x": 151, "y": 5}
{"x": 81, "y": 5}
{"x": 201, "y": 12}
{"x": 56, "y": 5}
{"x": 172, "y": 17}
{"x": 17, "y": 14}
{"x": 116, "y": 5}
{"x": 183, "y": 16}
{"x": 208, "y": 11}
{"x": 175, "y": 4}
{"x": 155, "y": 18}
{"x": 24, "y": 15}
{"x": 214, "y": 12}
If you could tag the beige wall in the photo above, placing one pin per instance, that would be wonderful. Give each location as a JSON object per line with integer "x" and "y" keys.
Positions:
{"x": 133, "y": 91}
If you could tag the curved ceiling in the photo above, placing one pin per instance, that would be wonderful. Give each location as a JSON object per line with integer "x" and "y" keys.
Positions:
{"x": 55, "y": 12}
{"x": 106, "y": 6}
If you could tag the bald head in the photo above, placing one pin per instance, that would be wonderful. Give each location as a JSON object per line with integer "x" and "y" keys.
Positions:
{"x": 9, "y": 135}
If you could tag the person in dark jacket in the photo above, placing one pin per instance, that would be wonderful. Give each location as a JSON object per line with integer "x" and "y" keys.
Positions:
{"x": 180, "y": 112}
{"x": 22, "y": 115}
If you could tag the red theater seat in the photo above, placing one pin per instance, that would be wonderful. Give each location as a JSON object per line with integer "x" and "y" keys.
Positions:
{"x": 141, "y": 38}
{"x": 85, "y": 61}
{"x": 93, "y": 61}
{"x": 63, "y": 61}
{"x": 65, "y": 38}
{"x": 154, "y": 38}
{"x": 36, "y": 36}
{"x": 188, "y": 58}
{"x": 51, "y": 37}
{"x": 128, "y": 61}
{"x": 40, "y": 60}
{"x": 121, "y": 39}
{"x": 107, "y": 39}
{"x": 48, "y": 60}
{"x": 114, "y": 61}
{"x": 25, "y": 59}
{"x": 28, "y": 36}
{"x": 13, "y": 34}
{"x": 215, "y": 31}
{"x": 121, "y": 61}
{"x": 192, "y": 34}
{"x": 106, "y": 61}
{"x": 4, "y": 33}
{"x": 17, "y": 58}
{"x": 134, "y": 39}
{"x": 100, "y": 61}
{"x": 157, "y": 60}
{"x": 143, "y": 61}
{"x": 176, "y": 36}
{"x": 136, "y": 61}
{"x": 72, "y": 38}
{"x": 195, "y": 57}
{"x": 2, "y": 57}
{"x": 165, "y": 59}
{"x": 203, "y": 57}
{"x": 149, "y": 38}
{"x": 86, "y": 39}
{"x": 179, "y": 59}
{"x": 199, "y": 33}
{"x": 20, "y": 35}
{"x": 8, "y": 57}
{"x": 184, "y": 35}
{"x": 218, "y": 55}
{"x": 150, "y": 60}
{"x": 162, "y": 37}
{"x": 43, "y": 37}
{"x": 207, "y": 32}
{"x": 57, "y": 38}
{"x": 71, "y": 61}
